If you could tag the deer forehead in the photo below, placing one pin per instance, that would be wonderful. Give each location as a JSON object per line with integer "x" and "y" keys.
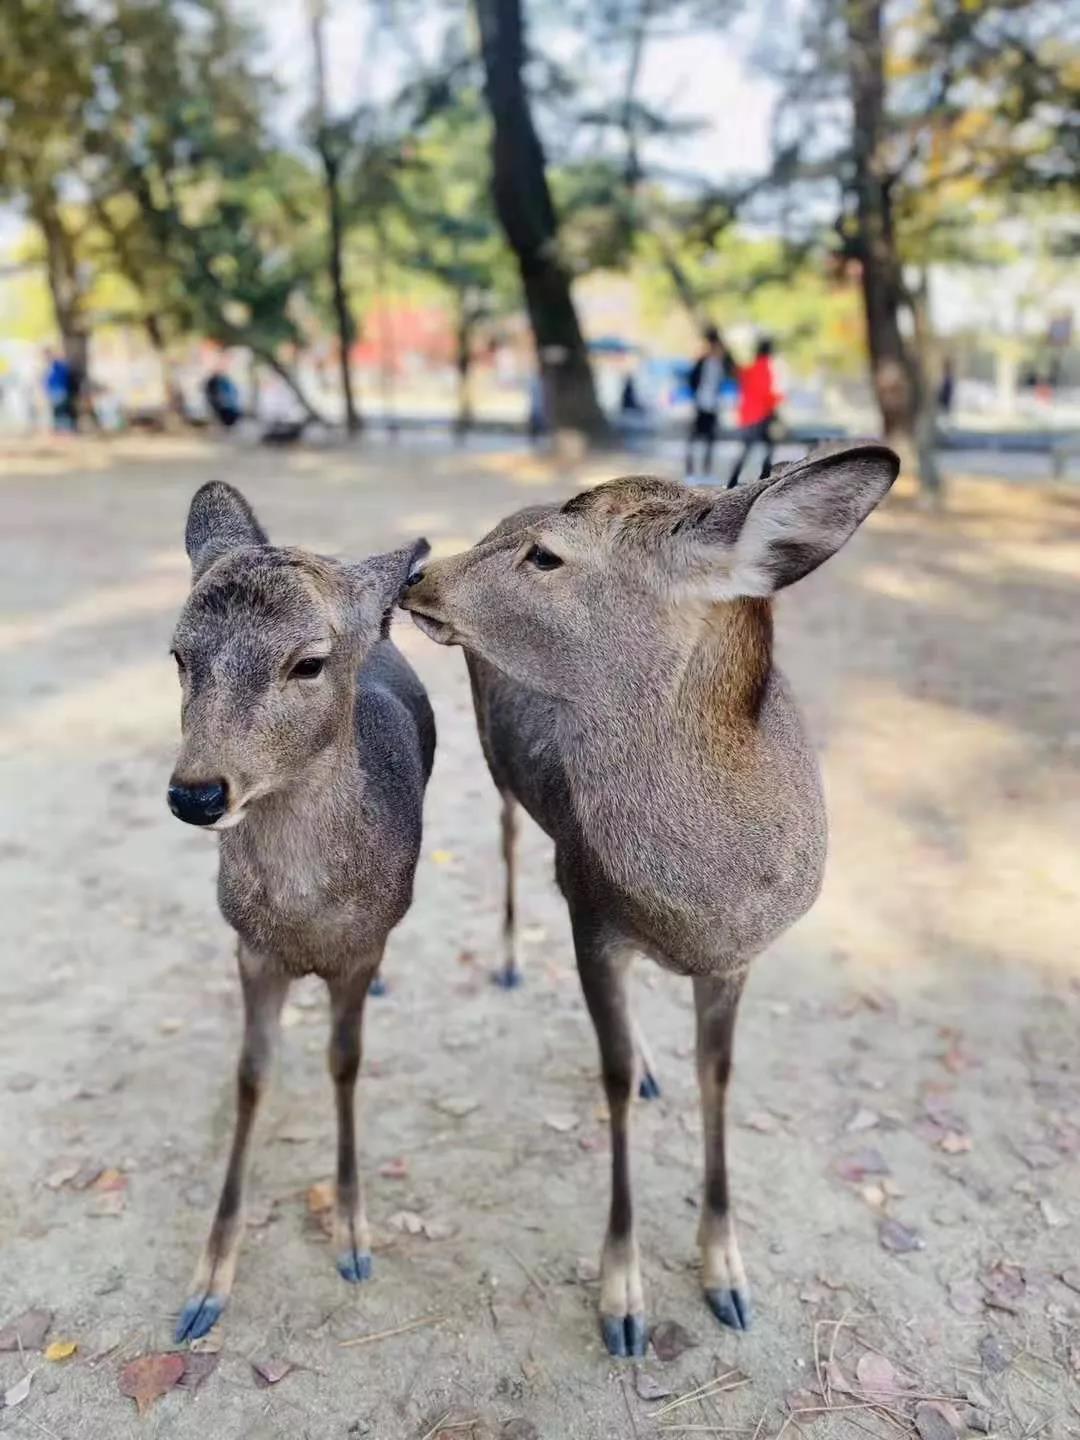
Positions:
{"x": 283, "y": 597}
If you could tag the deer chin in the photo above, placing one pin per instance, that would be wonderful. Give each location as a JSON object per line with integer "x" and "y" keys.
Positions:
{"x": 441, "y": 631}
{"x": 229, "y": 821}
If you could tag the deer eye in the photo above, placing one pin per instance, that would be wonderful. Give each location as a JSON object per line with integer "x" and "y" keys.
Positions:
{"x": 542, "y": 559}
{"x": 308, "y": 669}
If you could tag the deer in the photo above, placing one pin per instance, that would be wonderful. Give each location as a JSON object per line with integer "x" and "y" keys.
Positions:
{"x": 620, "y": 652}
{"x": 307, "y": 742}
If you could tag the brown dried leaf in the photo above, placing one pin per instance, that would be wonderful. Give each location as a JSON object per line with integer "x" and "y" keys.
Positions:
{"x": 878, "y": 1376}
{"x": 649, "y": 1388}
{"x": 27, "y": 1331}
{"x": 937, "y": 1420}
{"x": 395, "y": 1169}
{"x": 993, "y": 1355}
{"x": 109, "y": 1205}
{"x": 86, "y": 1174}
{"x": 407, "y": 1222}
{"x": 898, "y": 1238}
{"x": 1005, "y": 1287}
{"x": 197, "y": 1367}
{"x": 111, "y": 1180}
{"x": 64, "y": 1172}
{"x": 863, "y": 1163}
{"x": 149, "y": 1377}
{"x": 955, "y": 1143}
{"x": 269, "y": 1372}
{"x": 320, "y": 1197}
{"x": 670, "y": 1339}
{"x": 61, "y": 1349}
{"x": 807, "y": 1406}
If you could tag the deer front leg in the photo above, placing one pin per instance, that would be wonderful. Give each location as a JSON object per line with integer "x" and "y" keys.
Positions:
{"x": 352, "y": 1238}
{"x": 716, "y": 1000}
{"x": 602, "y": 966}
{"x": 509, "y": 977}
{"x": 264, "y": 993}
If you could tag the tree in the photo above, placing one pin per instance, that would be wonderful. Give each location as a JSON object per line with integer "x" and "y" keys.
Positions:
{"x": 524, "y": 206}
{"x": 330, "y": 142}
{"x": 45, "y": 80}
{"x": 903, "y": 119}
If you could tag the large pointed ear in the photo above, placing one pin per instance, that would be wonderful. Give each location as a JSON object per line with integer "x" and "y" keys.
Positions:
{"x": 380, "y": 581}
{"x": 805, "y": 514}
{"x": 219, "y": 520}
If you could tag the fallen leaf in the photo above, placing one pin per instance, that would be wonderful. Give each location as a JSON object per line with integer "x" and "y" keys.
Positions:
{"x": 457, "y": 1105}
{"x": 149, "y": 1377}
{"x": 562, "y": 1123}
{"x": 111, "y": 1180}
{"x": 937, "y": 1420}
{"x": 862, "y": 1163}
{"x": 18, "y": 1392}
{"x": 320, "y": 1197}
{"x": 1005, "y": 1287}
{"x": 806, "y": 1405}
{"x": 442, "y": 857}
{"x": 836, "y": 1378}
{"x": 762, "y": 1122}
{"x": 86, "y": 1174}
{"x": 62, "y": 1174}
{"x": 954, "y": 1143}
{"x": 61, "y": 1349}
{"x": 407, "y": 1222}
{"x": 878, "y": 1375}
{"x": 269, "y": 1372}
{"x": 197, "y": 1367}
{"x": 396, "y": 1169}
{"x": 27, "y": 1331}
{"x": 874, "y": 1196}
{"x": 518, "y": 1429}
{"x": 648, "y": 1387}
{"x": 898, "y": 1238}
{"x": 586, "y": 1271}
{"x": 440, "y": 1229}
{"x": 670, "y": 1339}
{"x": 863, "y": 1119}
{"x": 965, "y": 1297}
{"x": 993, "y": 1355}
{"x": 210, "y": 1343}
{"x": 111, "y": 1204}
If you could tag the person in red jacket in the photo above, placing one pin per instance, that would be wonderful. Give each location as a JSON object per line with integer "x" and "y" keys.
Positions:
{"x": 759, "y": 401}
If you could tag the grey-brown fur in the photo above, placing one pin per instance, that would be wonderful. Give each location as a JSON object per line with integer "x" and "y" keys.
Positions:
{"x": 628, "y": 699}
{"x": 320, "y": 779}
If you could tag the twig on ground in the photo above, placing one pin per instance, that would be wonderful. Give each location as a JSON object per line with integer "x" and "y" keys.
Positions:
{"x": 629, "y": 1411}
{"x": 529, "y": 1272}
{"x": 436, "y": 1427}
{"x": 396, "y": 1330}
{"x": 711, "y": 1387}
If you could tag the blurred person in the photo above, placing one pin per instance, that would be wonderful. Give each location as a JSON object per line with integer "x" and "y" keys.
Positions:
{"x": 759, "y": 402}
{"x": 947, "y": 388}
{"x": 61, "y": 390}
{"x": 708, "y": 376}
{"x": 223, "y": 398}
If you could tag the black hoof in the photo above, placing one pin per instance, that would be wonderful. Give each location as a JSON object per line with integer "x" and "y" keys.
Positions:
{"x": 199, "y": 1315}
{"x": 354, "y": 1265}
{"x": 731, "y": 1308}
{"x": 377, "y": 987}
{"x": 508, "y": 979}
{"x": 649, "y": 1087}
{"x": 624, "y": 1335}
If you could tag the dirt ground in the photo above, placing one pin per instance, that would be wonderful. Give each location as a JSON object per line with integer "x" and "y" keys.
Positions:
{"x": 908, "y": 1072}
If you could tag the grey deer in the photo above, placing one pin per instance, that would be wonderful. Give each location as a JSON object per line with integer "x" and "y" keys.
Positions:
{"x": 307, "y": 745}
{"x": 620, "y": 652}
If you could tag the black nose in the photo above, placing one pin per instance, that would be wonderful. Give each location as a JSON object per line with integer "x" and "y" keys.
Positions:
{"x": 199, "y": 804}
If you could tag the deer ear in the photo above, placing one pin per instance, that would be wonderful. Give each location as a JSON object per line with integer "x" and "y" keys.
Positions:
{"x": 219, "y": 520}
{"x": 380, "y": 581}
{"x": 806, "y": 514}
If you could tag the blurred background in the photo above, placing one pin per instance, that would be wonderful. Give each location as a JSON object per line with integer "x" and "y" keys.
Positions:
{"x": 372, "y": 213}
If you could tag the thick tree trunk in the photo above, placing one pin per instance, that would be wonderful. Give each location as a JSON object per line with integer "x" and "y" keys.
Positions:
{"x": 527, "y": 215}
{"x": 894, "y": 367}
{"x": 464, "y": 421}
{"x": 64, "y": 287}
{"x": 325, "y": 146}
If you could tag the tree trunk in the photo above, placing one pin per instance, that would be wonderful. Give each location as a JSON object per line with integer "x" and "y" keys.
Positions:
{"x": 464, "y": 421}
{"x": 894, "y": 367}
{"x": 64, "y": 286}
{"x": 527, "y": 215}
{"x": 325, "y": 146}
{"x": 174, "y": 397}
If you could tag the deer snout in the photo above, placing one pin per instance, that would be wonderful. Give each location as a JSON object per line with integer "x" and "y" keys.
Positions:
{"x": 200, "y": 803}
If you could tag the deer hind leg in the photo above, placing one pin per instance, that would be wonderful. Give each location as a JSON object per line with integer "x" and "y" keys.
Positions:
{"x": 264, "y": 993}
{"x": 716, "y": 1000}
{"x": 352, "y": 1237}
{"x": 602, "y": 967}
{"x": 509, "y": 976}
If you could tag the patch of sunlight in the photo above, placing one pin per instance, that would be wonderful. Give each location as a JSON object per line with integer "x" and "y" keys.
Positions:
{"x": 1048, "y": 557}
{"x": 915, "y": 587}
{"x": 130, "y": 702}
{"x": 100, "y": 607}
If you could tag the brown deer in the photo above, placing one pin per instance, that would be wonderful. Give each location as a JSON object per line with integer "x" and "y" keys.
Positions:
{"x": 620, "y": 650}
{"x": 307, "y": 744}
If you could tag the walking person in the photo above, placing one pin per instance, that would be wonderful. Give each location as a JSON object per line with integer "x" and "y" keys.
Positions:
{"x": 759, "y": 401}
{"x": 707, "y": 378}
{"x": 61, "y": 392}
